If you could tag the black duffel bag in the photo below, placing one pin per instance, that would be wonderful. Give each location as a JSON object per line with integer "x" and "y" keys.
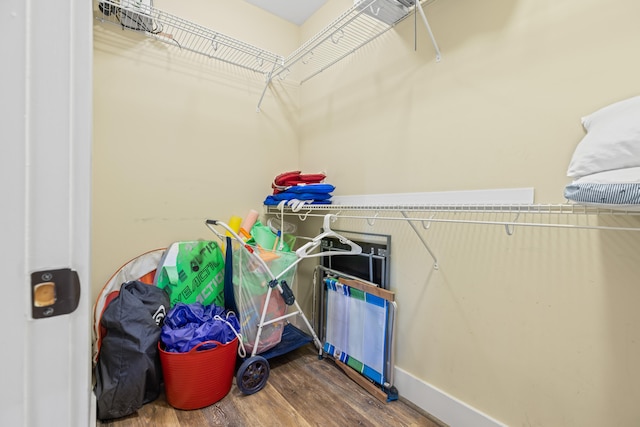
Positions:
{"x": 128, "y": 372}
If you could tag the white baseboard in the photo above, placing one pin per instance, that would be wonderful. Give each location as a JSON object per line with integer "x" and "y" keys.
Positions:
{"x": 447, "y": 409}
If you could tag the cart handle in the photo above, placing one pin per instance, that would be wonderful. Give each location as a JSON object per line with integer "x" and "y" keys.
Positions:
{"x": 235, "y": 235}
{"x": 211, "y": 222}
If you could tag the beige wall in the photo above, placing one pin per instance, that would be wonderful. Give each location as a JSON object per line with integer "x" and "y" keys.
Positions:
{"x": 177, "y": 138}
{"x": 534, "y": 329}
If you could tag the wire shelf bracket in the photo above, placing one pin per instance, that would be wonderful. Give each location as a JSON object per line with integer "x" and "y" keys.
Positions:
{"x": 422, "y": 239}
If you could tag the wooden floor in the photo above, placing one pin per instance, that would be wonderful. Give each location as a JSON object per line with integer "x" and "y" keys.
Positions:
{"x": 302, "y": 390}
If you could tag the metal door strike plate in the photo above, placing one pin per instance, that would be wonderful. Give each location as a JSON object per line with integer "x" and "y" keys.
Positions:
{"x": 54, "y": 292}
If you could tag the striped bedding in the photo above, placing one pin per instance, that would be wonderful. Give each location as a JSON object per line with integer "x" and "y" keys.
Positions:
{"x": 611, "y": 196}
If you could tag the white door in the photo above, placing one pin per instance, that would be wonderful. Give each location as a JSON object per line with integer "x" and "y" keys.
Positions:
{"x": 45, "y": 171}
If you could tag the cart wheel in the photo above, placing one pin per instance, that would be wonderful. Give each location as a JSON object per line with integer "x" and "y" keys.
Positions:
{"x": 252, "y": 375}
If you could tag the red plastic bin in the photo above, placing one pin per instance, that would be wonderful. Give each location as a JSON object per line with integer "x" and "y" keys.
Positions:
{"x": 198, "y": 378}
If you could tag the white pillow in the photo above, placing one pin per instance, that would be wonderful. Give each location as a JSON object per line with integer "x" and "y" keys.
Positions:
{"x": 612, "y": 140}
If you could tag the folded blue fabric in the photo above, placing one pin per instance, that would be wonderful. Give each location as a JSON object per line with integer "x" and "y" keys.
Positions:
{"x": 310, "y": 188}
{"x": 301, "y": 196}
{"x": 270, "y": 201}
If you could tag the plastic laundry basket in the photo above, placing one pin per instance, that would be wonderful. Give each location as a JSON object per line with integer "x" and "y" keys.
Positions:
{"x": 198, "y": 378}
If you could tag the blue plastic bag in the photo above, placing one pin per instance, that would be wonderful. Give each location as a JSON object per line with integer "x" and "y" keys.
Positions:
{"x": 187, "y": 325}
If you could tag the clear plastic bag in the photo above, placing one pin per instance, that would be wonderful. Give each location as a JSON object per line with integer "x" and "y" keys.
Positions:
{"x": 250, "y": 287}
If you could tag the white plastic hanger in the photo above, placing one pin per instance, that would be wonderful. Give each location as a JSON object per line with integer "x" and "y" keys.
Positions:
{"x": 304, "y": 251}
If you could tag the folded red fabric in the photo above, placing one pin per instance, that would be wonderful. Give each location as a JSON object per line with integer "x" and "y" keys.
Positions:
{"x": 293, "y": 178}
{"x": 286, "y": 176}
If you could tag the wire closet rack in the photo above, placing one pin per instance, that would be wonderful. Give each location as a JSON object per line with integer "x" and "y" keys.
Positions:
{"x": 509, "y": 216}
{"x": 429, "y": 213}
{"x": 185, "y": 35}
{"x": 359, "y": 25}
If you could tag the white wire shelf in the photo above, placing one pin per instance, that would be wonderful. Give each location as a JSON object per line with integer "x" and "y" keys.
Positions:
{"x": 186, "y": 35}
{"x": 512, "y": 215}
{"x": 356, "y": 27}
{"x": 359, "y": 25}
{"x": 567, "y": 209}
{"x": 509, "y": 216}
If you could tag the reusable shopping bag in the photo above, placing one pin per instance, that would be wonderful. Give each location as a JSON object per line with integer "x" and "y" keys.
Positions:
{"x": 191, "y": 272}
{"x": 188, "y": 325}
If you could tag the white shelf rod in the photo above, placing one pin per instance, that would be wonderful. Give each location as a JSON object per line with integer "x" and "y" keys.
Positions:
{"x": 566, "y": 209}
{"x": 508, "y": 225}
{"x": 372, "y": 218}
{"x": 426, "y": 24}
{"x": 466, "y": 209}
